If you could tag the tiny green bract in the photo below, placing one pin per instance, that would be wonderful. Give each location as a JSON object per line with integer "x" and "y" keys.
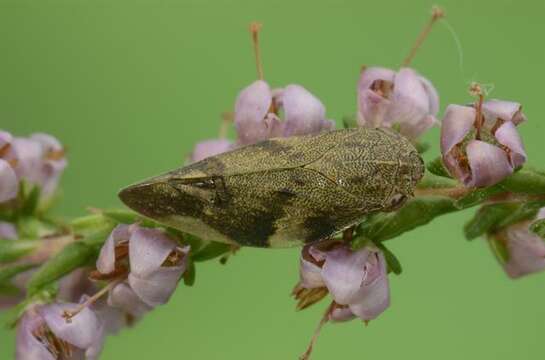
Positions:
{"x": 285, "y": 191}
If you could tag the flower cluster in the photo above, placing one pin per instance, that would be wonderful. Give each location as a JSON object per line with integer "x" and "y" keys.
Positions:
{"x": 141, "y": 268}
{"x": 37, "y": 160}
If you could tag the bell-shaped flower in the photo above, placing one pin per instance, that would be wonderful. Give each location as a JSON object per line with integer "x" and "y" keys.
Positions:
{"x": 402, "y": 99}
{"x": 209, "y": 148}
{"x": 157, "y": 263}
{"x": 484, "y": 160}
{"x": 257, "y": 113}
{"x": 524, "y": 251}
{"x": 153, "y": 262}
{"x": 45, "y": 333}
{"x": 357, "y": 281}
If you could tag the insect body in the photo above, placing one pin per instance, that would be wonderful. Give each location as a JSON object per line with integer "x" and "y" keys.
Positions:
{"x": 286, "y": 191}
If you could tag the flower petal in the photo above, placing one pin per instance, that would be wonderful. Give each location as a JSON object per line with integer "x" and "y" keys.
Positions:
{"x": 5, "y": 138}
{"x": 82, "y": 331}
{"x": 372, "y": 103}
{"x": 372, "y": 108}
{"x": 410, "y": 100}
{"x": 343, "y": 273}
{"x": 123, "y": 297}
{"x": 209, "y": 148}
{"x": 156, "y": 288}
{"x": 304, "y": 113}
{"x": 148, "y": 250}
{"x": 508, "y": 135}
{"x": 433, "y": 95}
{"x": 341, "y": 314}
{"x": 106, "y": 259}
{"x": 489, "y": 164}
{"x": 506, "y": 110}
{"x": 252, "y": 105}
{"x": 9, "y": 184}
{"x": 369, "y": 75}
{"x": 28, "y": 346}
{"x": 376, "y": 295}
{"x": 29, "y": 155}
{"x": 526, "y": 251}
{"x": 457, "y": 122}
{"x": 310, "y": 274}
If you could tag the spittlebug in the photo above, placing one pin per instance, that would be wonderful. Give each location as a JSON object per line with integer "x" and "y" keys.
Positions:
{"x": 285, "y": 191}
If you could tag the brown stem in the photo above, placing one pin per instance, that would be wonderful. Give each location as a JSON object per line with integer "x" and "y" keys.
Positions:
{"x": 255, "y": 27}
{"x": 68, "y": 315}
{"x": 436, "y": 14}
{"x": 323, "y": 321}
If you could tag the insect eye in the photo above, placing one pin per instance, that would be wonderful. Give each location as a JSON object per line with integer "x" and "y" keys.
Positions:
{"x": 397, "y": 201}
{"x": 204, "y": 184}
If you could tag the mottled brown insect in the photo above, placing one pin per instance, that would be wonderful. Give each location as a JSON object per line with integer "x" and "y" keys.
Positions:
{"x": 284, "y": 192}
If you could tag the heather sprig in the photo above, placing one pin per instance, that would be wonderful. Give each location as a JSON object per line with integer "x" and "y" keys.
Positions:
{"x": 70, "y": 283}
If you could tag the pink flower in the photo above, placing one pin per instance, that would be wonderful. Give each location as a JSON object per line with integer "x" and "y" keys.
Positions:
{"x": 40, "y": 161}
{"x": 524, "y": 250}
{"x": 357, "y": 280}
{"x": 45, "y": 334}
{"x": 155, "y": 264}
{"x": 404, "y": 99}
{"x": 489, "y": 159}
{"x": 257, "y": 113}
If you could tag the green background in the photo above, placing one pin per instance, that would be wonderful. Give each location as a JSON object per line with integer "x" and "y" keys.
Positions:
{"x": 130, "y": 86}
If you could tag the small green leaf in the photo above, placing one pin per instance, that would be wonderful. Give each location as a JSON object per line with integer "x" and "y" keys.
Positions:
{"x": 72, "y": 256}
{"x": 11, "y": 250}
{"x": 498, "y": 249}
{"x": 436, "y": 167}
{"x": 89, "y": 223}
{"x": 350, "y": 121}
{"x": 432, "y": 181}
{"x": 44, "y": 296}
{"x": 477, "y": 196}
{"x": 526, "y": 181}
{"x": 487, "y": 218}
{"x": 417, "y": 212}
{"x": 393, "y": 263}
{"x": 526, "y": 211}
{"x": 189, "y": 274}
{"x": 210, "y": 251}
{"x": 30, "y": 203}
{"x": 128, "y": 217}
{"x": 538, "y": 228}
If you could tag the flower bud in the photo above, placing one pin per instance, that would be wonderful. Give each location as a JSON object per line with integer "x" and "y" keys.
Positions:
{"x": 404, "y": 99}
{"x": 482, "y": 160}
{"x": 257, "y": 108}
{"x": 524, "y": 251}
